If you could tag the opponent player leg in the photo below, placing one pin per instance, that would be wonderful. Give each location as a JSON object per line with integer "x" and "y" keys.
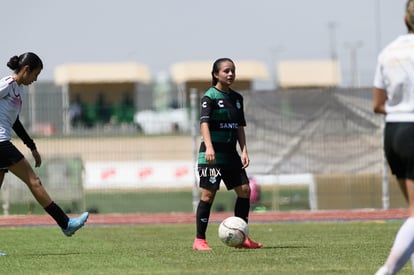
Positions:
{"x": 2, "y": 172}
{"x": 403, "y": 188}
{"x": 24, "y": 171}
{"x": 403, "y": 246}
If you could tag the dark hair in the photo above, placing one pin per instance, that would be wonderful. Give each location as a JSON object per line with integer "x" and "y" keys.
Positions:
{"x": 409, "y": 15}
{"x": 216, "y": 68}
{"x": 16, "y": 63}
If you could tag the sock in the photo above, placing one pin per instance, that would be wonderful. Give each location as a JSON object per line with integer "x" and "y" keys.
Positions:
{"x": 402, "y": 248}
{"x": 202, "y": 216}
{"x": 57, "y": 214}
{"x": 241, "y": 209}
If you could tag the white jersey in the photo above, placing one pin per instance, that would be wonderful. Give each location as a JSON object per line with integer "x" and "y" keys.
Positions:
{"x": 395, "y": 74}
{"x": 11, "y": 98}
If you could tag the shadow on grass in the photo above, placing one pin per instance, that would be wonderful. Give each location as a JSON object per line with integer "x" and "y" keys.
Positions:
{"x": 52, "y": 254}
{"x": 268, "y": 247}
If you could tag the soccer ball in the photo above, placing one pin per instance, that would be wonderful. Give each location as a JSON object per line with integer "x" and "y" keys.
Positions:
{"x": 233, "y": 231}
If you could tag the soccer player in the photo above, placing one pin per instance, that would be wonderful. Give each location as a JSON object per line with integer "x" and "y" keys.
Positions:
{"x": 26, "y": 69}
{"x": 222, "y": 125}
{"x": 394, "y": 97}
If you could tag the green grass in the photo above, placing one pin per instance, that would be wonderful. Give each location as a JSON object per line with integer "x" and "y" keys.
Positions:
{"x": 172, "y": 201}
{"x": 289, "y": 248}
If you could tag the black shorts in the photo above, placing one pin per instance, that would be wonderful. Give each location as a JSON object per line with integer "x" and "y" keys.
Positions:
{"x": 211, "y": 176}
{"x": 9, "y": 155}
{"x": 399, "y": 148}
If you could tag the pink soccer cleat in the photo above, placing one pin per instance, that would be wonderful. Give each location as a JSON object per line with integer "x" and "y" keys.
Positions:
{"x": 249, "y": 244}
{"x": 200, "y": 244}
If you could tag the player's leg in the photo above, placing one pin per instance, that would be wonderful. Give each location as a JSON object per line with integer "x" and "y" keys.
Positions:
{"x": 399, "y": 151}
{"x": 242, "y": 205}
{"x": 403, "y": 246}
{"x": 24, "y": 171}
{"x": 5, "y": 194}
{"x": 2, "y": 172}
{"x": 403, "y": 189}
{"x": 204, "y": 210}
{"x": 210, "y": 178}
{"x": 202, "y": 218}
{"x": 238, "y": 180}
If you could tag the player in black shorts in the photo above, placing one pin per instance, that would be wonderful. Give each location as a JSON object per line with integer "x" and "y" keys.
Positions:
{"x": 222, "y": 125}
{"x": 394, "y": 97}
{"x": 26, "y": 69}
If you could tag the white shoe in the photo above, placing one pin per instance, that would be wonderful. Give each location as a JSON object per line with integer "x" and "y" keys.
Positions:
{"x": 383, "y": 271}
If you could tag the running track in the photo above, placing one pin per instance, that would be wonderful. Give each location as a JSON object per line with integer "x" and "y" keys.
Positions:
{"x": 174, "y": 218}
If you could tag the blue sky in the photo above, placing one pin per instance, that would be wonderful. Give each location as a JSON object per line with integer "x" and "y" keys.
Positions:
{"x": 159, "y": 33}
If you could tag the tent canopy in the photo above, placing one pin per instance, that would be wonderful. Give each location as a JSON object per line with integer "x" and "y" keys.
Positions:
{"x": 200, "y": 71}
{"x": 83, "y": 73}
{"x": 309, "y": 73}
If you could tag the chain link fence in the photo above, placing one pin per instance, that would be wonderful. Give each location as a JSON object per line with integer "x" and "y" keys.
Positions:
{"x": 330, "y": 134}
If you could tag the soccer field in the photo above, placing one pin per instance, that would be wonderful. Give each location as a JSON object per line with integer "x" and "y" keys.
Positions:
{"x": 289, "y": 248}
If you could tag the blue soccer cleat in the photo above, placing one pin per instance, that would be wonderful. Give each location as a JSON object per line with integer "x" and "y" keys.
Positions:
{"x": 75, "y": 223}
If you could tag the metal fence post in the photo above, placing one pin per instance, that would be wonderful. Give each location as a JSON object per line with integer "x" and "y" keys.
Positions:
{"x": 194, "y": 134}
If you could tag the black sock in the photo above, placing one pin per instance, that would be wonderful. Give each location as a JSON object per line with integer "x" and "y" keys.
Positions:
{"x": 241, "y": 209}
{"x": 202, "y": 216}
{"x": 57, "y": 214}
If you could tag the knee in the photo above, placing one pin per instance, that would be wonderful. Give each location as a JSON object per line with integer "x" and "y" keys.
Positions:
{"x": 35, "y": 182}
{"x": 244, "y": 191}
{"x": 207, "y": 197}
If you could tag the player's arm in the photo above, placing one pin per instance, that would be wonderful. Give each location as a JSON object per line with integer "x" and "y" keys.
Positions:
{"x": 205, "y": 132}
{"x": 4, "y": 87}
{"x": 378, "y": 100}
{"x": 24, "y": 136}
{"x": 205, "y": 112}
{"x": 241, "y": 138}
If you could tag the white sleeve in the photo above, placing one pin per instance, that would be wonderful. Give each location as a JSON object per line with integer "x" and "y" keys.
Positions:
{"x": 378, "y": 77}
{"x": 4, "y": 87}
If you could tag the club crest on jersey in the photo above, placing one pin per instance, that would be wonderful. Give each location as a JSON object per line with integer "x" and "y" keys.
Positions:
{"x": 238, "y": 104}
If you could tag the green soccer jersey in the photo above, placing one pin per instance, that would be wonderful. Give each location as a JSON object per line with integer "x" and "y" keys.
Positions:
{"x": 224, "y": 113}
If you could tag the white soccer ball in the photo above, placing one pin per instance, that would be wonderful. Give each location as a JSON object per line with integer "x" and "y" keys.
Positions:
{"x": 233, "y": 231}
